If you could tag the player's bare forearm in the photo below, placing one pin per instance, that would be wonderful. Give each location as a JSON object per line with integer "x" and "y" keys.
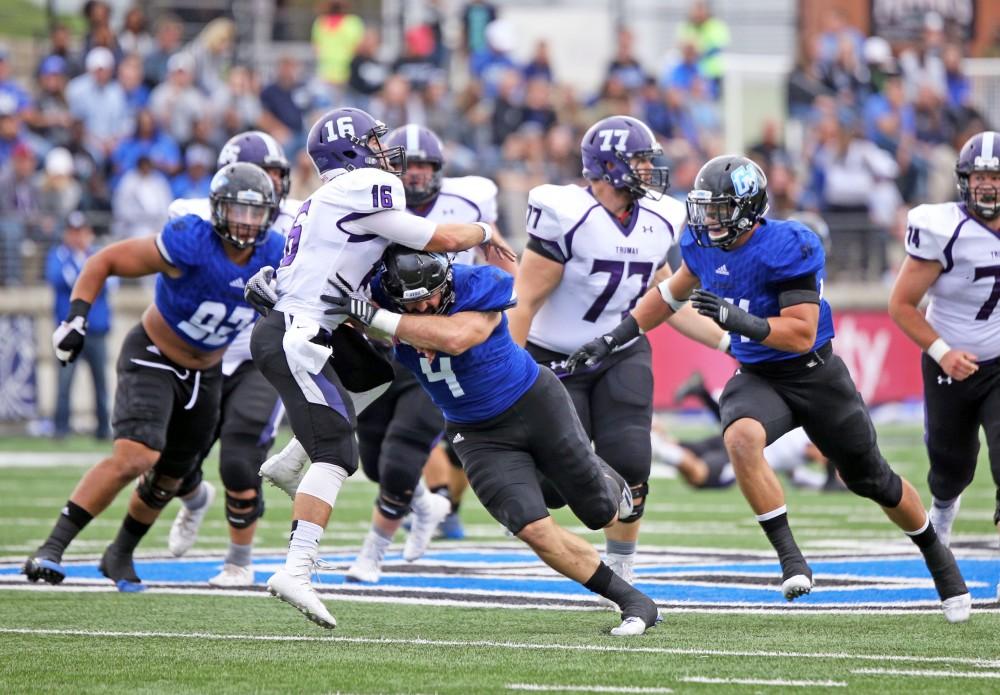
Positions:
{"x": 702, "y": 329}
{"x": 452, "y": 237}
{"x": 536, "y": 279}
{"x": 651, "y": 310}
{"x": 452, "y": 335}
{"x": 665, "y": 299}
{"x": 914, "y": 279}
{"x": 795, "y": 330}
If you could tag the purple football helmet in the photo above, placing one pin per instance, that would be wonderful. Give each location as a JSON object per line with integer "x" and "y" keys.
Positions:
{"x": 420, "y": 145}
{"x": 350, "y": 139}
{"x": 257, "y": 147}
{"x": 981, "y": 153}
{"x": 610, "y": 145}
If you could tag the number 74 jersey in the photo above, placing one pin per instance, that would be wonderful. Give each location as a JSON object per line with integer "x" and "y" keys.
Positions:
{"x": 963, "y": 300}
{"x": 607, "y": 265}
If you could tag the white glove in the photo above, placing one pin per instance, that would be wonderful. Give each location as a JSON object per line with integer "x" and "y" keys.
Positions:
{"x": 261, "y": 291}
{"x": 302, "y": 353}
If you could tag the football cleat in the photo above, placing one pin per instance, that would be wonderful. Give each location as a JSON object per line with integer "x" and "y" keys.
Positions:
{"x": 367, "y": 566}
{"x": 119, "y": 568}
{"x": 286, "y": 468}
{"x": 184, "y": 530}
{"x": 634, "y": 625}
{"x": 233, "y": 576}
{"x": 297, "y": 590}
{"x": 40, "y": 567}
{"x": 451, "y": 528}
{"x": 942, "y": 519}
{"x": 795, "y": 586}
{"x": 428, "y": 511}
{"x": 957, "y": 608}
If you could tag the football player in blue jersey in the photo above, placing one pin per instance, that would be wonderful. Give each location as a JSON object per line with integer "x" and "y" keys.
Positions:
{"x": 169, "y": 367}
{"x": 510, "y": 420}
{"x": 761, "y": 279}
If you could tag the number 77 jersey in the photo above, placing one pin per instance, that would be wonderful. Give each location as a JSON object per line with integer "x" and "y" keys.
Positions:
{"x": 608, "y": 265}
{"x": 964, "y": 298}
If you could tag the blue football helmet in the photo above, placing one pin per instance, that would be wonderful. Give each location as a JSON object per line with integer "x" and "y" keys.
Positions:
{"x": 609, "y": 148}
{"x": 421, "y": 145}
{"x": 243, "y": 204}
{"x": 257, "y": 147}
{"x": 980, "y": 153}
{"x": 350, "y": 139}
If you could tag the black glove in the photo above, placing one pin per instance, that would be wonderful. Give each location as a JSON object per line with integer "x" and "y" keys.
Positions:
{"x": 354, "y": 306}
{"x": 590, "y": 354}
{"x": 729, "y": 316}
{"x": 260, "y": 291}
{"x": 67, "y": 339}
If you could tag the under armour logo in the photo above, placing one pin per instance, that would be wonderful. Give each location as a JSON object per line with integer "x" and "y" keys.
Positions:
{"x": 648, "y": 229}
{"x": 944, "y": 380}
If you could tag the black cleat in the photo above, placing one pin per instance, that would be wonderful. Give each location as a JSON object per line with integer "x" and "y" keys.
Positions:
{"x": 119, "y": 568}
{"x": 40, "y": 567}
{"x": 692, "y": 386}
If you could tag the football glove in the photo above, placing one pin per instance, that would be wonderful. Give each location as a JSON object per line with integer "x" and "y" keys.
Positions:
{"x": 353, "y": 306}
{"x": 729, "y": 316}
{"x": 592, "y": 353}
{"x": 261, "y": 291}
{"x": 67, "y": 339}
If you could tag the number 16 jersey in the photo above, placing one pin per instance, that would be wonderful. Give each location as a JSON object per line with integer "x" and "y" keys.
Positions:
{"x": 607, "y": 265}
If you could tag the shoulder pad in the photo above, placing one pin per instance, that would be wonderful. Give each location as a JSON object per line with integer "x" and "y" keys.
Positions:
{"x": 794, "y": 251}
{"x": 365, "y": 190}
{"x": 479, "y": 190}
{"x": 554, "y": 210}
{"x": 190, "y": 206}
{"x": 671, "y": 209}
{"x": 929, "y": 227}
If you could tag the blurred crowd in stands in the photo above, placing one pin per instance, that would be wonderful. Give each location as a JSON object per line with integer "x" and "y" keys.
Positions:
{"x": 120, "y": 120}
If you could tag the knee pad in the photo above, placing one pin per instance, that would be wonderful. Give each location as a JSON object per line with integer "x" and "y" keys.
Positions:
{"x": 392, "y": 506}
{"x": 878, "y": 483}
{"x": 190, "y": 483}
{"x": 638, "y": 509}
{"x": 156, "y": 490}
{"x": 239, "y": 463}
{"x": 241, "y": 513}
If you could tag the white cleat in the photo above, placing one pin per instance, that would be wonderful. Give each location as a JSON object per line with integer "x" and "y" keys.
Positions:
{"x": 942, "y": 520}
{"x": 429, "y": 510}
{"x": 298, "y": 591}
{"x": 795, "y": 586}
{"x": 233, "y": 576}
{"x": 184, "y": 530}
{"x": 367, "y": 566}
{"x": 957, "y": 608}
{"x": 286, "y": 468}
{"x": 634, "y": 626}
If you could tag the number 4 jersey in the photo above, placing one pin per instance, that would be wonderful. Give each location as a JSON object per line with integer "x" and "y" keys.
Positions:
{"x": 607, "y": 265}
{"x": 963, "y": 300}
{"x": 205, "y": 305}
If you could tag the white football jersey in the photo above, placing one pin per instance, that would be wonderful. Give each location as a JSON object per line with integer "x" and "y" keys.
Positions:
{"x": 464, "y": 199}
{"x": 963, "y": 300}
{"x": 608, "y": 267}
{"x": 238, "y": 351}
{"x": 339, "y": 235}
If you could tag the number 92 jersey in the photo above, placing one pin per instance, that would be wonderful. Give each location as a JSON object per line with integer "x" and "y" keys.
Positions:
{"x": 205, "y": 305}
{"x": 607, "y": 266}
{"x": 963, "y": 299}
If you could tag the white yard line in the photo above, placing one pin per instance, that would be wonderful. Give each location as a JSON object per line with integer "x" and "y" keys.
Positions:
{"x": 759, "y": 681}
{"x": 926, "y": 674}
{"x": 629, "y": 647}
{"x": 48, "y": 459}
{"x": 543, "y": 688}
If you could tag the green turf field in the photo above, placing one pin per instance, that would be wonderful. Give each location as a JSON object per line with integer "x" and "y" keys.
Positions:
{"x": 82, "y": 640}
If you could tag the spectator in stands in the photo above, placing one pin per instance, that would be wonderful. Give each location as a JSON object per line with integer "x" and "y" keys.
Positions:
{"x": 506, "y": 116}
{"x": 336, "y": 34}
{"x": 97, "y": 14}
{"x": 10, "y": 86}
{"x": 397, "y": 103}
{"x": 613, "y": 98}
{"x": 959, "y": 89}
{"x": 711, "y": 35}
{"x": 140, "y": 202}
{"x": 537, "y": 106}
{"x": 99, "y": 101}
{"x": 131, "y": 79}
{"x": 367, "y": 72}
{"x": 19, "y": 200}
{"x": 681, "y": 74}
{"x": 177, "y": 103}
{"x": 49, "y": 115}
{"x": 146, "y": 140}
{"x": 169, "y": 32}
{"x": 416, "y": 63}
{"x": 805, "y": 83}
{"x": 769, "y": 150}
{"x": 236, "y": 106}
{"x": 60, "y": 44}
{"x": 624, "y": 65}
{"x": 62, "y": 267}
{"x": 924, "y": 63}
{"x": 96, "y": 196}
{"x": 439, "y": 108}
{"x": 891, "y": 123}
{"x": 846, "y": 75}
{"x": 835, "y": 28}
{"x": 212, "y": 51}
{"x": 476, "y": 16}
{"x": 879, "y": 61}
{"x": 491, "y": 63}
{"x": 654, "y": 112}
{"x": 195, "y": 181}
{"x": 104, "y": 37}
{"x": 134, "y": 38}
{"x": 539, "y": 65}
{"x": 59, "y": 193}
{"x": 285, "y": 104}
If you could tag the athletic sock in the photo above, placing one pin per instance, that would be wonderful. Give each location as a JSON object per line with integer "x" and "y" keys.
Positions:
{"x": 940, "y": 562}
{"x": 302, "y": 546}
{"x": 198, "y": 499}
{"x": 775, "y": 525}
{"x": 239, "y": 555}
{"x": 620, "y": 547}
{"x": 631, "y": 601}
{"x": 129, "y": 535}
{"x": 71, "y": 521}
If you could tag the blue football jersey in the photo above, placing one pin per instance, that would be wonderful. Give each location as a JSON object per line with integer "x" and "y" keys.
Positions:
{"x": 748, "y": 276}
{"x": 205, "y": 304}
{"x": 487, "y": 379}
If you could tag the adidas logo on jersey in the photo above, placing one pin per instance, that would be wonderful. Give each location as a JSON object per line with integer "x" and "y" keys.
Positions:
{"x": 458, "y": 438}
{"x": 722, "y": 270}
{"x": 237, "y": 283}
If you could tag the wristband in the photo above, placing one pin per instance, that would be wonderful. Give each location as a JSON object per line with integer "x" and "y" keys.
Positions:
{"x": 938, "y": 349}
{"x": 386, "y": 321}
{"x": 487, "y": 232}
{"x": 78, "y": 307}
{"x": 668, "y": 297}
{"x": 724, "y": 342}
{"x": 625, "y": 332}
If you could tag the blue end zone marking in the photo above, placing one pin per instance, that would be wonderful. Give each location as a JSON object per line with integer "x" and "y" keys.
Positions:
{"x": 854, "y": 581}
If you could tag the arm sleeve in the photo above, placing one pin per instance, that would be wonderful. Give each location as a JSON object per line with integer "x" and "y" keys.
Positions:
{"x": 921, "y": 240}
{"x": 178, "y": 243}
{"x": 483, "y": 288}
{"x": 800, "y": 290}
{"x": 396, "y": 225}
